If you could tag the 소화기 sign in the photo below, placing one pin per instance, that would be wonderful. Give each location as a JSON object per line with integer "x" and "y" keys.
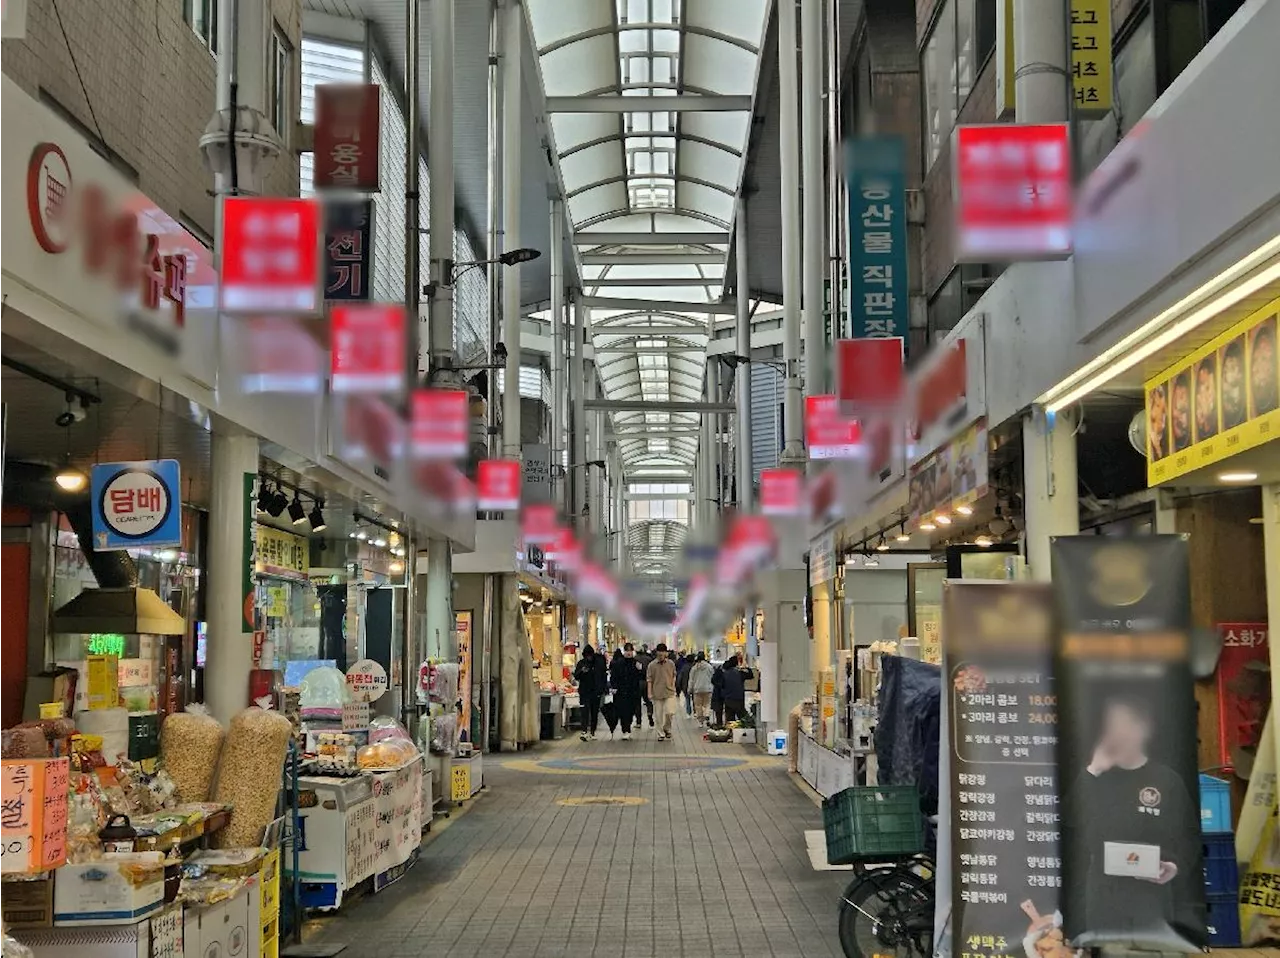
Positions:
{"x": 33, "y": 814}
{"x": 136, "y": 504}
{"x": 878, "y": 292}
{"x": 347, "y": 129}
{"x": 1244, "y": 689}
{"x": 1011, "y": 192}
{"x": 1221, "y": 400}
{"x": 348, "y": 250}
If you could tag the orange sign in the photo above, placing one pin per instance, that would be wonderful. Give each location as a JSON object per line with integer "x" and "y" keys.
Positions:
{"x": 33, "y": 814}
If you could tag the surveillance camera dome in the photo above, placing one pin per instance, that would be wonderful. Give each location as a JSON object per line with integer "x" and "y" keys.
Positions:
{"x": 65, "y": 418}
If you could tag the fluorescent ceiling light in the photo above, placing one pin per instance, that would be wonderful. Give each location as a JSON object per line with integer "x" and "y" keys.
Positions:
{"x": 1237, "y": 476}
{"x": 1141, "y": 344}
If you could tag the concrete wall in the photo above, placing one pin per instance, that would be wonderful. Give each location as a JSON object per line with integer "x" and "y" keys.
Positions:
{"x": 150, "y": 85}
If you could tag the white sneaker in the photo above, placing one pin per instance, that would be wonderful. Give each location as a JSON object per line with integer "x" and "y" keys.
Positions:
{"x": 626, "y": 736}
{"x": 661, "y": 736}
{"x": 591, "y": 737}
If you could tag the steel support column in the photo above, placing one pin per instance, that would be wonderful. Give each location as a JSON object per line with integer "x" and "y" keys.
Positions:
{"x": 815, "y": 254}
{"x": 578, "y": 435}
{"x": 742, "y": 377}
{"x": 557, "y": 348}
{"x": 793, "y": 400}
{"x": 440, "y": 162}
{"x": 512, "y": 111}
{"x": 494, "y": 244}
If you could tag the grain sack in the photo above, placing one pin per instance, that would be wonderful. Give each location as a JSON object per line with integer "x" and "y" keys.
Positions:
{"x": 249, "y": 773}
{"x": 189, "y": 745}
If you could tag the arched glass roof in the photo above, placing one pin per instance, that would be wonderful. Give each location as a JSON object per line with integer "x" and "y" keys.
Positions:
{"x": 672, "y": 164}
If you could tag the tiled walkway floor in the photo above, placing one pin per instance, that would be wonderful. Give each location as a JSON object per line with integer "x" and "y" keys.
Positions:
{"x": 706, "y": 859}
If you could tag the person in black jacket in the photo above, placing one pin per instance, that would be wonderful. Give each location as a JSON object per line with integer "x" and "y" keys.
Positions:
{"x": 592, "y": 678}
{"x": 683, "y": 665}
{"x": 644, "y": 657}
{"x": 626, "y": 679}
{"x": 733, "y": 688}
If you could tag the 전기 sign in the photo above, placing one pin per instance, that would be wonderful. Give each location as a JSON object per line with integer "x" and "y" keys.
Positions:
{"x": 136, "y": 504}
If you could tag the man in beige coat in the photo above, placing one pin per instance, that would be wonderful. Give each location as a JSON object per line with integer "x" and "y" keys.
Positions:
{"x": 661, "y": 680}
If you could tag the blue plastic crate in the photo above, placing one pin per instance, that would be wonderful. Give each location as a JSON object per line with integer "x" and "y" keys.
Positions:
{"x": 1221, "y": 873}
{"x": 1224, "y": 921}
{"x": 1215, "y": 805}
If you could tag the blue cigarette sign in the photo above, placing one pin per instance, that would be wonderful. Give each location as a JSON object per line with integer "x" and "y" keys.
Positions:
{"x": 878, "y": 291}
{"x": 136, "y": 504}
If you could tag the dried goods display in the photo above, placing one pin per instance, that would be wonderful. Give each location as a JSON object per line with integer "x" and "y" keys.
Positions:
{"x": 189, "y": 745}
{"x": 249, "y": 773}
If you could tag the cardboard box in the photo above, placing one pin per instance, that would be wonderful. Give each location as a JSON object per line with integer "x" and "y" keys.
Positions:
{"x": 120, "y": 889}
{"x": 103, "y": 681}
{"x": 221, "y": 929}
{"x": 27, "y": 904}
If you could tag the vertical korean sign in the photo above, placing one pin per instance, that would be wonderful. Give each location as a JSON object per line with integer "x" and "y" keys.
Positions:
{"x": 136, "y": 504}
{"x": 1091, "y": 57}
{"x": 1133, "y": 873}
{"x": 348, "y": 250}
{"x": 1006, "y": 875}
{"x": 33, "y": 822}
{"x": 348, "y": 116}
{"x": 1244, "y": 689}
{"x": 878, "y": 298}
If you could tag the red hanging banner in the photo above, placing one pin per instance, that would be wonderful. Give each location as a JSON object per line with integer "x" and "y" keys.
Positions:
{"x": 270, "y": 255}
{"x": 440, "y": 425}
{"x": 781, "y": 492}
{"x": 538, "y": 523}
{"x": 346, "y": 136}
{"x": 498, "y": 485}
{"x": 368, "y": 347}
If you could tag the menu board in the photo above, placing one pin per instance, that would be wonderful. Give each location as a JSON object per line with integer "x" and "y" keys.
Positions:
{"x": 1221, "y": 400}
{"x": 1006, "y": 867}
{"x": 166, "y": 933}
{"x": 281, "y": 553}
{"x": 362, "y": 850}
{"x": 954, "y": 476}
{"x": 33, "y": 814}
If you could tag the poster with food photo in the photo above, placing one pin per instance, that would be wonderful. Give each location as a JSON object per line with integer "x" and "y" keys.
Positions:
{"x": 1205, "y": 377}
{"x": 1132, "y": 864}
{"x": 1232, "y": 366}
{"x": 1264, "y": 376}
{"x": 1158, "y": 422}
{"x": 1180, "y": 410}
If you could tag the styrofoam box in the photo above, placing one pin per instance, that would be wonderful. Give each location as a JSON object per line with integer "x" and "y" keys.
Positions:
{"x": 222, "y": 929}
{"x": 96, "y": 893}
{"x": 744, "y": 736}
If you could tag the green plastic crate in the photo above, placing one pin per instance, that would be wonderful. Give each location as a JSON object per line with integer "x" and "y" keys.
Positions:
{"x": 878, "y": 822}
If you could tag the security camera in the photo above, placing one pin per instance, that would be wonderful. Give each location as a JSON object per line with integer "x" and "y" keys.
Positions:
{"x": 65, "y": 418}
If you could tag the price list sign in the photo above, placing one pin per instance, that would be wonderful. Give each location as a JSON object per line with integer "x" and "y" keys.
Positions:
{"x": 1006, "y": 868}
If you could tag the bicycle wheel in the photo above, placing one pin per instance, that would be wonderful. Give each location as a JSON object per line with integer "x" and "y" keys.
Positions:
{"x": 887, "y": 912}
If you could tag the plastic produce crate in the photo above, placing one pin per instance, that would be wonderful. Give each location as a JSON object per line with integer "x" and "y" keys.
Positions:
{"x": 1224, "y": 921}
{"x": 873, "y": 823}
{"x": 1215, "y": 805}
{"x": 1221, "y": 873}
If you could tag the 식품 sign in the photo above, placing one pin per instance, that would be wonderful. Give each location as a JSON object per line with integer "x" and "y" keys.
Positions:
{"x": 136, "y": 504}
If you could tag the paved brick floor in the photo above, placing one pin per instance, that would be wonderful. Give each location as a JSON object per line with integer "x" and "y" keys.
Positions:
{"x": 708, "y": 861}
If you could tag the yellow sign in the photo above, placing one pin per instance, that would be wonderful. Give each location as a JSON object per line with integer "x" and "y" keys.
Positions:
{"x": 462, "y": 782}
{"x": 277, "y": 605}
{"x": 931, "y": 635}
{"x": 1091, "y": 57}
{"x": 282, "y": 553}
{"x": 1221, "y": 400}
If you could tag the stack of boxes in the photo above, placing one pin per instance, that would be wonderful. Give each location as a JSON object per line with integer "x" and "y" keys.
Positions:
{"x": 1221, "y": 873}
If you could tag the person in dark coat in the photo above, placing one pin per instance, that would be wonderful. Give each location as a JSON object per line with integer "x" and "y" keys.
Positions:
{"x": 592, "y": 678}
{"x": 683, "y": 666}
{"x": 717, "y": 695}
{"x": 626, "y": 679}
{"x": 644, "y": 657}
{"x": 733, "y": 688}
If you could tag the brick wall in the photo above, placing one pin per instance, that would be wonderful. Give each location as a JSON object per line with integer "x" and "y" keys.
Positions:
{"x": 151, "y": 84}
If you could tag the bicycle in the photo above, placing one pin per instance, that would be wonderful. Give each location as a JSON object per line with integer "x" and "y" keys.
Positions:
{"x": 888, "y": 910}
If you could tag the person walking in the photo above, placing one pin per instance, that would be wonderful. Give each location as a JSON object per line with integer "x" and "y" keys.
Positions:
{"x": 644, "y": 657}
{"x": 683, "y": 665}
{"x": 717, "y": 695}
{"x": 592, "y": 679}
{"x": 734, "y": 688}
{"x": 661, "y": 682}
{"x": 700, "y": 687}
{"x": 626, "y": 680}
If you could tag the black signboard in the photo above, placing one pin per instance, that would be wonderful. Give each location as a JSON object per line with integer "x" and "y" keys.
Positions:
{"x": 348, "y": 250}
{"x": 1131, "y": 849}
{"x": 1006, "y": 872}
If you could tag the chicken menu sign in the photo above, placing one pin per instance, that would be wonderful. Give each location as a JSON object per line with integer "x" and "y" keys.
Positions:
{"x": 1006, "y": 868}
